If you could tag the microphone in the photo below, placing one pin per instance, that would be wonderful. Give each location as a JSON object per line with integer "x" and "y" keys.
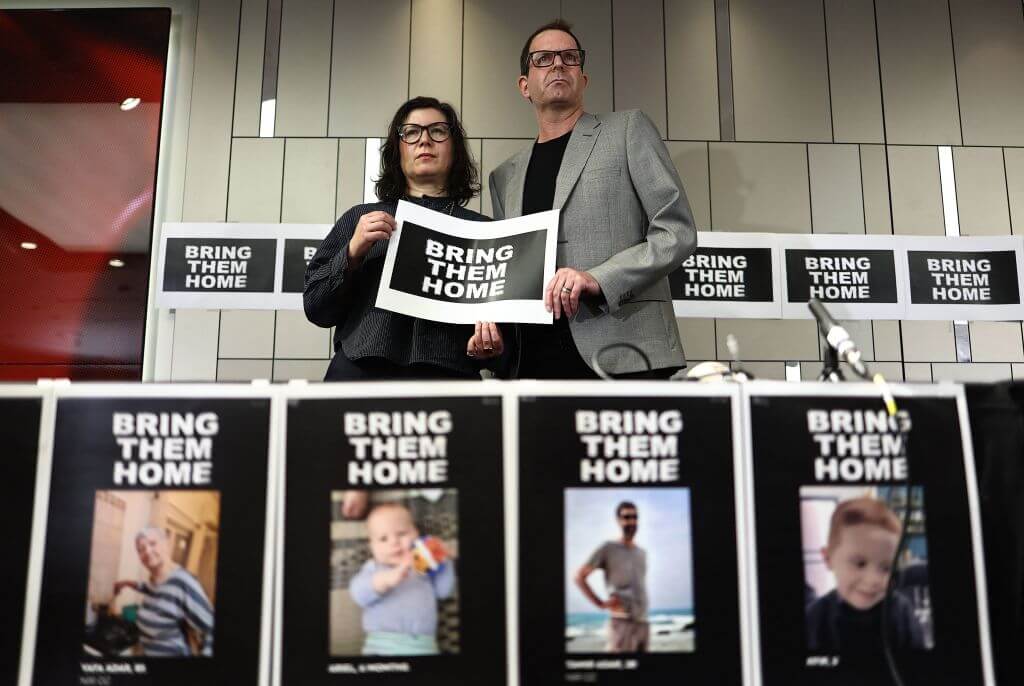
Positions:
{"x": 838, "y": 337}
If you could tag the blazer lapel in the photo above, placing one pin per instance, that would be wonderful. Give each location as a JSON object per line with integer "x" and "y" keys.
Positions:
{"x": 514, "y": 195}
{"x": 577, "y": 152}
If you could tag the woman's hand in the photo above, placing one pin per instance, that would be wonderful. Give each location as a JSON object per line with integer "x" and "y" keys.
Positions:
{"x": 372, "y": 227}
{"x": 486, "y": 341}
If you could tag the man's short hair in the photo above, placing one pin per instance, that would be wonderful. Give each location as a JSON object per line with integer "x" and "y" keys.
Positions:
{"x": 624, "y": 505}
{"x": 151, "y": 529}
{"x": 864, "y": 510}
{"x": 556, "y": 25}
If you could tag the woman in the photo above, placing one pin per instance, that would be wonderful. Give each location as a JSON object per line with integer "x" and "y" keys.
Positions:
{"x": 424, "y": 160}
{"x": 174, "y": 603}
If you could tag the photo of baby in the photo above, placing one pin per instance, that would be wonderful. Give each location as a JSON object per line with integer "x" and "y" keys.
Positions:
{"x": 393, "y": 574}
{"x": 850, "y": 540}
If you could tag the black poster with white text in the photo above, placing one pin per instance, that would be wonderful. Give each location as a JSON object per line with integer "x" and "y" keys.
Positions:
{"x": 155, "y": 542}
{"x": 19, "y": 425}
{"x": 627, "y": 541}
{"x": 434, "y": 265}
{"x": 394, "y": 567}
{"x": 841, "y": 490}
{"x": 732, "y": 274}
{"x": 848, "y": 276}
{"x": 209, "y": 265}
{"x": 963, "y": 278}
{"x": 297, "y": 254}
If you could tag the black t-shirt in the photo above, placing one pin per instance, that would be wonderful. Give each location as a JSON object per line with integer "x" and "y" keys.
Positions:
{"x": 541, "y": 175}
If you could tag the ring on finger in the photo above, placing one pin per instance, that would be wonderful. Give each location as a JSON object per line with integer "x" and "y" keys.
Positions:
{"x": 566, "y": 289}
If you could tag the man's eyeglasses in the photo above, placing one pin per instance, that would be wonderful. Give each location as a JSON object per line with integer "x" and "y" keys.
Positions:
{"x": 570, "y": 58}
{"x": 411, "y": 133}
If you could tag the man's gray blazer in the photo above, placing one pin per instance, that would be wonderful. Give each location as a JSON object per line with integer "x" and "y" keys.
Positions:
{"x": 626, "y": 221}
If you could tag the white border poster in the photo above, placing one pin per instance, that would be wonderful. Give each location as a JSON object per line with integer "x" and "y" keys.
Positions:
{"x": 469, "y": 271}
{"x": 734, "y": 275}
{"x": 970, "y": 277}
{"x": 857, "y": 277}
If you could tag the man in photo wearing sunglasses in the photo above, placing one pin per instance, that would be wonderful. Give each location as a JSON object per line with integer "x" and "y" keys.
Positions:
{"x": 624, "y": 564}
{"x": 625, "y": 225}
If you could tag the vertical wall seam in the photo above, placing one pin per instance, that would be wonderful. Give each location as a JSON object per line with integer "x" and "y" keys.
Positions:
{"x": 611, "y": 11}
{"x": 330, "y": 75}
{"x": 956, "y": 76}
{"x": 810, "y": 198}
{"x": 408, "y": 61}
{"x": 462, "y": 71}
{"x": 723, "y": 58}
{"x": 664, "y": 61}
{"x": 828, "y": 73}
{"x": 216, "y": 355}
{"x": 863, "y": 202}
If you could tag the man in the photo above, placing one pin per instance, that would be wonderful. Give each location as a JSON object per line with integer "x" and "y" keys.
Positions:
{"x": 625, "y": 568}
{"x": 625, "y": 223}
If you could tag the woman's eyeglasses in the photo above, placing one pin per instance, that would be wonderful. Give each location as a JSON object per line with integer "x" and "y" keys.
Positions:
{"x": 570, "y": 58}
{"x": 410, "y": 134}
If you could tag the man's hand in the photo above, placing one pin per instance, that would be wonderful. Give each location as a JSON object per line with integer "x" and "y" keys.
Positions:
{"x": 566, "y": 287}
{"x": 372, "y": 227}
{"x": 118, "y": 585}
{"x": 486, "y": 341}
{"x": 386, "y": 580}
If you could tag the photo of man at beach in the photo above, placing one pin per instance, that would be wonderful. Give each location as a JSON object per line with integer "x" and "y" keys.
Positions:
{"x": 393, "y": 587}
{"x": 851, "y": 535}
{"x": 628, "y": 571}
{"x": 152, "y": 574}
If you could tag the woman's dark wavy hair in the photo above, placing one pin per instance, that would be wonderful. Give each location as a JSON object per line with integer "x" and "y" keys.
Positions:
{"x": 463, "y": 180}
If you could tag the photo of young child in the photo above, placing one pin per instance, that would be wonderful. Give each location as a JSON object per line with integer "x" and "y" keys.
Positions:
{"x": 851, "y": 536}
{"x": 400, "y": 563}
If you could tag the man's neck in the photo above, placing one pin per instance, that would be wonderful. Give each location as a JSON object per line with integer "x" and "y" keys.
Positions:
{"x": 417, "y": 189}
{"x": 555, "y": 122}
{"x": 628, "y": 542}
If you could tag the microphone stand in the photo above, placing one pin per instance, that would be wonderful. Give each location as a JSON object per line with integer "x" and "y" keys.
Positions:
{"x": 831, "y": 371}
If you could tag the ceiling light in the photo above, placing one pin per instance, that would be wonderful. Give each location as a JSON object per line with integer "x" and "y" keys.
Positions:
{"x": 130, "y": 104}
{"x": 116, "y": 263}
{"x": 28, "y": 245}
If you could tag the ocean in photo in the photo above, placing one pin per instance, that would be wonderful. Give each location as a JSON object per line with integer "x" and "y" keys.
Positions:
{"x": 672, "y": 631}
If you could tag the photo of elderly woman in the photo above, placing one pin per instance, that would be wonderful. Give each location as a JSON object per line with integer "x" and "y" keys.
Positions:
{"x": 152, "y": 574}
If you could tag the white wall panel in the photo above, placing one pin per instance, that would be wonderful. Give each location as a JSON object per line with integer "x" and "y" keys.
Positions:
{"x": 592, "y": 22}
{"x": 760, "y": 187}
{"x": 246, "y": 334}
{"x": 989, "y": 41}
{"x": 257, "y": 165}
{"x": 296, "y": 338}
{"x": 351, "y": 161}
{"x": 1014, "y": 165}
{"x": 691, "y": 160}
{"x": 209, "y": 122}
{"x": 837, "y": 205}
{"x": 780, "y": 81}
{"x": 981, "y": 192}
{"x": 691, "y": 66}
{"x": 918, "y": 80}
{"x": 916, "y": 191}
{"x": 853, "y": 71}
{"x": 493, "y": 38}
{"x": 638, "y": 54}
{"x": 249, "y": 79}
{"x": 874, "y": 177}
{"x": 435, "y": 63}
{"x": 194, "y": 350}
{"x": 310, "y": 174}
{"x": 304, "y": 69}
{"x": 770, "y": 339}
{"x": 370, "y": 65}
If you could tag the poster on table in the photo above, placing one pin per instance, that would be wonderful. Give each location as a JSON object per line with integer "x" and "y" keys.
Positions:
{"x": 965, "y": 278}
{"x": 393, "y": 549}
{"x": 628, "y": 547}
{"x": 732, "y": 275}
{"x": 156, "y": 566}
{"x": 20, "y": 422}
{"x": 840, "y": 490}
{"x": 856, "y": 277}
{"x": 459, "y": 271}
